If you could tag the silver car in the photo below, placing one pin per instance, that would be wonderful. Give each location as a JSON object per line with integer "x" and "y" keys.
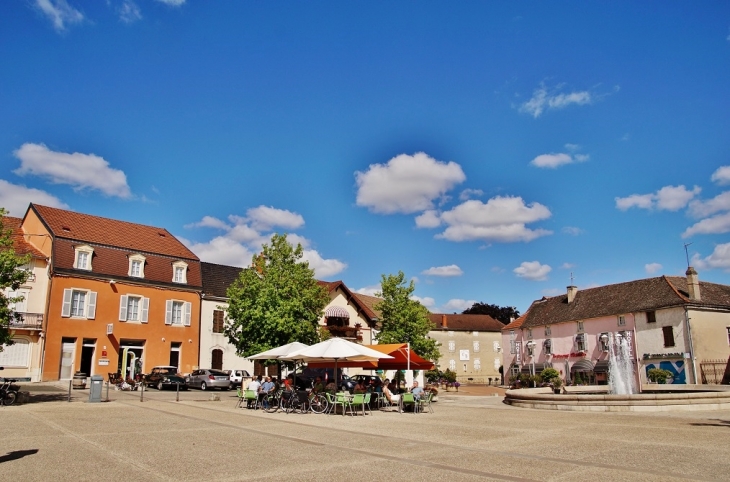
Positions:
{"x": 205, "y": 379}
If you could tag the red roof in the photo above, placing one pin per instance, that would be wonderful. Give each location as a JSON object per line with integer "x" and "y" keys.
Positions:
{"x": 462, "y": 322}
{"x": 111, "y": 232}
{"x": 20, "y": 244}
{"x": 516, "y": 323}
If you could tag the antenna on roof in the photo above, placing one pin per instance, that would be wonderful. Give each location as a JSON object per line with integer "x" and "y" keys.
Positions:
{"x": 686, "y": 253}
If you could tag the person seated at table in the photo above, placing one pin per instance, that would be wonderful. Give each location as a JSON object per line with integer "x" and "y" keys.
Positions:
{"x": 391, "y": 385}
{"x": 254, "y": 386}
{"x": 267, "y": 387}
{"x": 318, "y": 385}
{"x": 390, "y": 396}
{"x": 277, "y": 385}
{"x": 288, "y": 383}
{"x": 359, "y": 388}
{"x": 331, "y": 387}
{"x": 416, "y": 391}
{"x": 377, "y": 386}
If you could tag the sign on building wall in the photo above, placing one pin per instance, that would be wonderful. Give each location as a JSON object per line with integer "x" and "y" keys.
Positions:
{"x": 518, "y": 352}
{"x": 464, "y": 355}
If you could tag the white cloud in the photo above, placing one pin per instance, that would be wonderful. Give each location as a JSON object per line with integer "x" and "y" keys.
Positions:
{"x": 81, "y": 171}
{"x": 323, "y": 268}
{"x": 668, "y": 198}
{"x": 652, "y": 268}
{"x": 719, "y": 203}
{"x": 543, "y": 99}
{"x": 567, "y": 266}
{"x": 429, "y": 219}
{"x": 446, "y": 271}
{"x": 369, "y": 290}
{"x": 15, "y": 198}
{"x": 532, "y": 270}
{"x": 719, "y": 223}
{"x": 470, "y": 193}
{"x": 553, "y": 161}
{"x": 209, "y": 222}
{"x": 572, "y": 230}
{"x": 266, "y": 217}
{"x": 719, "y": 259}
{"x": 406, "y": 184}
{"x": 721, "y": 176}
{"x": 456, "y": 305}
{"x": 129, "y": 12}
{"x": 221, "y": 250}
{"x": 427, "y": 301}
{"x": 572, "y": 147}
{"x": 172, "y": 3}
{"x": 60, "y": 13}
{"x": 501, "y": 219}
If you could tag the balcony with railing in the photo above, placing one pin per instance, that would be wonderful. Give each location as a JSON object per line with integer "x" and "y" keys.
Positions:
{"x": 27, "y": 321}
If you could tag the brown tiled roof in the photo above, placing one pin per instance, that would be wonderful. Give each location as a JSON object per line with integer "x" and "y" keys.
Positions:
{"x": 633, "y": 296}
{"x": 111, "y": 232}
{"x": 363, "y": 302}
{"x": 20, "y": 244}
{"x": 217, "y": 278}
{"x": 461, "y": 322}
{"x": 515, "y": 323}
{"x": 114, "y": 263}
{"x": 369, "y": 302}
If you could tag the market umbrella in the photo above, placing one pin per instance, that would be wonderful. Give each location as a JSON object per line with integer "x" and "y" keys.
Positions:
{"x": 276, "y": 353}
{"x": 336, "y": 349}
{"x": 399, "y": 360}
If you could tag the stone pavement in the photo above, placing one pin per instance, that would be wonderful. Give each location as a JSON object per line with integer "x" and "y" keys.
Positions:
{"x": 469, "y": 437}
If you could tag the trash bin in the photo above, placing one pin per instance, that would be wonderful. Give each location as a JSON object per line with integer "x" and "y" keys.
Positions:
{"x": 97, "y": 382}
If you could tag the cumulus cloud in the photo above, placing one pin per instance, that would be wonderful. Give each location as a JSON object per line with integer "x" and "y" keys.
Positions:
{"x": 60, "y": 13}
{"x": 549, "y": 99}
{"x": 719, "y": 203}
{"x": 717, "y": 224}
{"x": 445, "y": 271}
{"x": 456, "y": 305}
{"x": 129, "y": 12}
{"x": 553, "y": 161}
{"x": 719, "y": 259}
{"x": 652, "y": 268}
{"x": 721, "y": 176}
{"x": 172, "y": 3}
{"x": 567, "y": 266}
{"x": 501, "y": 219}
{"x": 244, "y": 235}
{"x": 81, "y": 171}
{"x": 406, "y": 184}
{"x": 429, "y": 219}
{"x": 369, "y": 290}
{"x": 532, "y": 270}
{"x": 470, "y": 193}
{"x": 572, "y": 230}
{"x": 668, "y": 198}
{"x": 427, "y": 301}
{"x": 15, "y": 198}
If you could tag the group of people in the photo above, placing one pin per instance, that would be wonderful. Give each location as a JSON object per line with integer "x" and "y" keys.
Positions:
{"x": 394, "y": 398}
{"x": 263, "y": 387}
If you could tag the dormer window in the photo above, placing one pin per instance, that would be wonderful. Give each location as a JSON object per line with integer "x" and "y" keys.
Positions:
{"x": 136, "y": 266}
{"x": 179, "y": 272}
{"x": 82, "y": 259}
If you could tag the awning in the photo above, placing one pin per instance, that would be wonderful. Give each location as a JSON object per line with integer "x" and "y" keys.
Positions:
{"x": 336, "y": 312}
{"x": 601, "y": 366}
{"x": 582, "y": 366}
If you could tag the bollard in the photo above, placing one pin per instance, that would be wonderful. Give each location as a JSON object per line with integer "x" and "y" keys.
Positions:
{"x": 141, "y": 393}
{"x": 107, "y": 390}
{"x": 177, "y": 392}
{"x": 69, "y": 389}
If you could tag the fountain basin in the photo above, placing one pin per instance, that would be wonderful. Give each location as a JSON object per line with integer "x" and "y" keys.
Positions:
{"x": 654, "y": 398}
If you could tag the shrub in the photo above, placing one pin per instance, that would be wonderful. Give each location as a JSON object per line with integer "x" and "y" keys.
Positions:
{"x": 549, "y": 373}
{"x": 659, "y": 375}
{"x": 449, "y": 376}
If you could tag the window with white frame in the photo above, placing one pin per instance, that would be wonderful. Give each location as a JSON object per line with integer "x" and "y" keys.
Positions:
{"x": 621, "y": 320}
{"x": 580, "y": 342}
{"x": 530, "y": 348}
{"x": 78, "y": 303}
{"x": 452, "y": 365}
{"x": 580, "y": 327}
{"x": 529, "y": 333}
{"x": 136, "y": 266}
{"x": 134, "y": 308}
{"x": 495, "y": 346}
{"x": 603, "y": 338}
{"x": 548, "y": 347}
{"x": 548, "y": 332}
{"x": 477, "y": 364}
{"x": 179, "y": 272}
{"x": 511, "y": 347}
{"x": 451, "y": 333}
{"x": 178, "y": 312}
{"x": 476, "y": 346}
{"x": 452, "y": 345}
{"x": 475, "y": 333}
{"x": 82, "y": 257}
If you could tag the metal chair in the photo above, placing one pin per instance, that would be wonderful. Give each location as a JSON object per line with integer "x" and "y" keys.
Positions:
{"x": 425, "y": 402}
{"x": 252, "y": 399}
{"x": 239, "y": 394}
{"x": 358, "y": 400}
{"x": 408, "y": 399}
{"x": 341, "y": 399}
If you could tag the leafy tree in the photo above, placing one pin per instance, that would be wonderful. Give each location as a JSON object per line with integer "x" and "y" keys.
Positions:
{"x": 404, "y": 320}
{"x": 10, "y": 277}
{"x": 277, "y": 301}
{"x": 501, "y": 313}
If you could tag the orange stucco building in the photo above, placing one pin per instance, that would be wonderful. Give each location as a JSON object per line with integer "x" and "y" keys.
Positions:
{"x": 121, "y": 297}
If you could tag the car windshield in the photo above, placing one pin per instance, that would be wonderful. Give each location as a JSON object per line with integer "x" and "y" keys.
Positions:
{"x": 218, "y": 373}
{"x": 168, "y": 371}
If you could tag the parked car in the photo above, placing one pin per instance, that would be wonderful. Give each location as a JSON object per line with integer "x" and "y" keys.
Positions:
{"x": 366, "y": 379}
{"x": 165, "y": 376}
{"x": 237, "y": 377}
{"x": 209, "y": 378}
{"x": 306, "y": 378}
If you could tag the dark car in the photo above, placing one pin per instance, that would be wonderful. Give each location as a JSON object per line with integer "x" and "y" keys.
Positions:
{"x": 165, "y": 376}
{"x": 306, "y": 378}
{"x": 366, "y": 379}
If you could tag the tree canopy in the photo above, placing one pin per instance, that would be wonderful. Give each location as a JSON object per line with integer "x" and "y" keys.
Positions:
{"x": 501, "y": 313}
{"x": 10, "y": 277}
{"x": 403, "y": 319}
{"x": 275, "y": 302}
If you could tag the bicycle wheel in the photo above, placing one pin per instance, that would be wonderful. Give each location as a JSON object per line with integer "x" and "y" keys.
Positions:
{"x": 292, "y": 405}
{"x": 9, "y": 398}
{"x": 318, "y": 403}
{"x": 271, "y": 404}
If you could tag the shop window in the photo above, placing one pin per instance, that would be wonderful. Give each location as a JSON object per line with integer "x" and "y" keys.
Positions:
{"x": 218, "y": 321}
{"x": 668, "y": 336}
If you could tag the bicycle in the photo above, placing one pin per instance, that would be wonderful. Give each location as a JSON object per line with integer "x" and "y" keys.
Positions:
{"x": 271, "y": 402}
{"x": 8, "y": 392}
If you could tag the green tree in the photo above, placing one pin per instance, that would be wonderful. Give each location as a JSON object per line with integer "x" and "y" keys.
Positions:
{"x": 275, "y": 302}
{"x": 10, "y": 277}
{"x": 503, "y": 314}
{"x": 404, "y": 320}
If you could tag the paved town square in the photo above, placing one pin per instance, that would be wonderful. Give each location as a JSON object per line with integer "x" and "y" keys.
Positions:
{"x": 471, "y": 435}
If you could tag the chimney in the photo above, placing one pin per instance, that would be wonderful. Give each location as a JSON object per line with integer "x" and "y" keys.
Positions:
{"x": 444, "y": 325}
{"x": 572, "y": 291}
{"x": 693, "y": 284}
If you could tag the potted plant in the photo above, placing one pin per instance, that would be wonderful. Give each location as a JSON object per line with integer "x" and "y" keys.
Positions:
{"x": 557, "y": 384}
{"x": 457, "y": 385}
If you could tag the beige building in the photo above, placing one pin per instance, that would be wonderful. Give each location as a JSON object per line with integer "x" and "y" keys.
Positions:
{"x": 470, "y": 345}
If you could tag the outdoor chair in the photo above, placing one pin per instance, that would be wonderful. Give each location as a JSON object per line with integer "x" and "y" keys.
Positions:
{"x": 330, "y": 402}
{"x": 239, "y": 394}
{"x": 408, "y": 399}
{"x": 358, "y": 400}
{"x": 252, "y": 399}
{"x": 425, "y": 402}
{"x": 341, "y": 399}
{"x": 367, "y": 403}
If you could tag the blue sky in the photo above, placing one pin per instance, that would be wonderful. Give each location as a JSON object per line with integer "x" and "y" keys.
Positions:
{"x": 488, "y": 150}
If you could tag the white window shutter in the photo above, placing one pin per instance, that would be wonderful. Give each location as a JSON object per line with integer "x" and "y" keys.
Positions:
{"x": 91, "y": 310}
{"x": 168, "y": 312}
{"x": 188, "y": 309}
{"x": 123, "y": 308}
{"x": 145, "y": 309}
{"x": 66, "y": 308}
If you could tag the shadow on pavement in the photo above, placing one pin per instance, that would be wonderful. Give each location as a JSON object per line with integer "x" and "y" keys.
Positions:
{"x": 17, "y": 454}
